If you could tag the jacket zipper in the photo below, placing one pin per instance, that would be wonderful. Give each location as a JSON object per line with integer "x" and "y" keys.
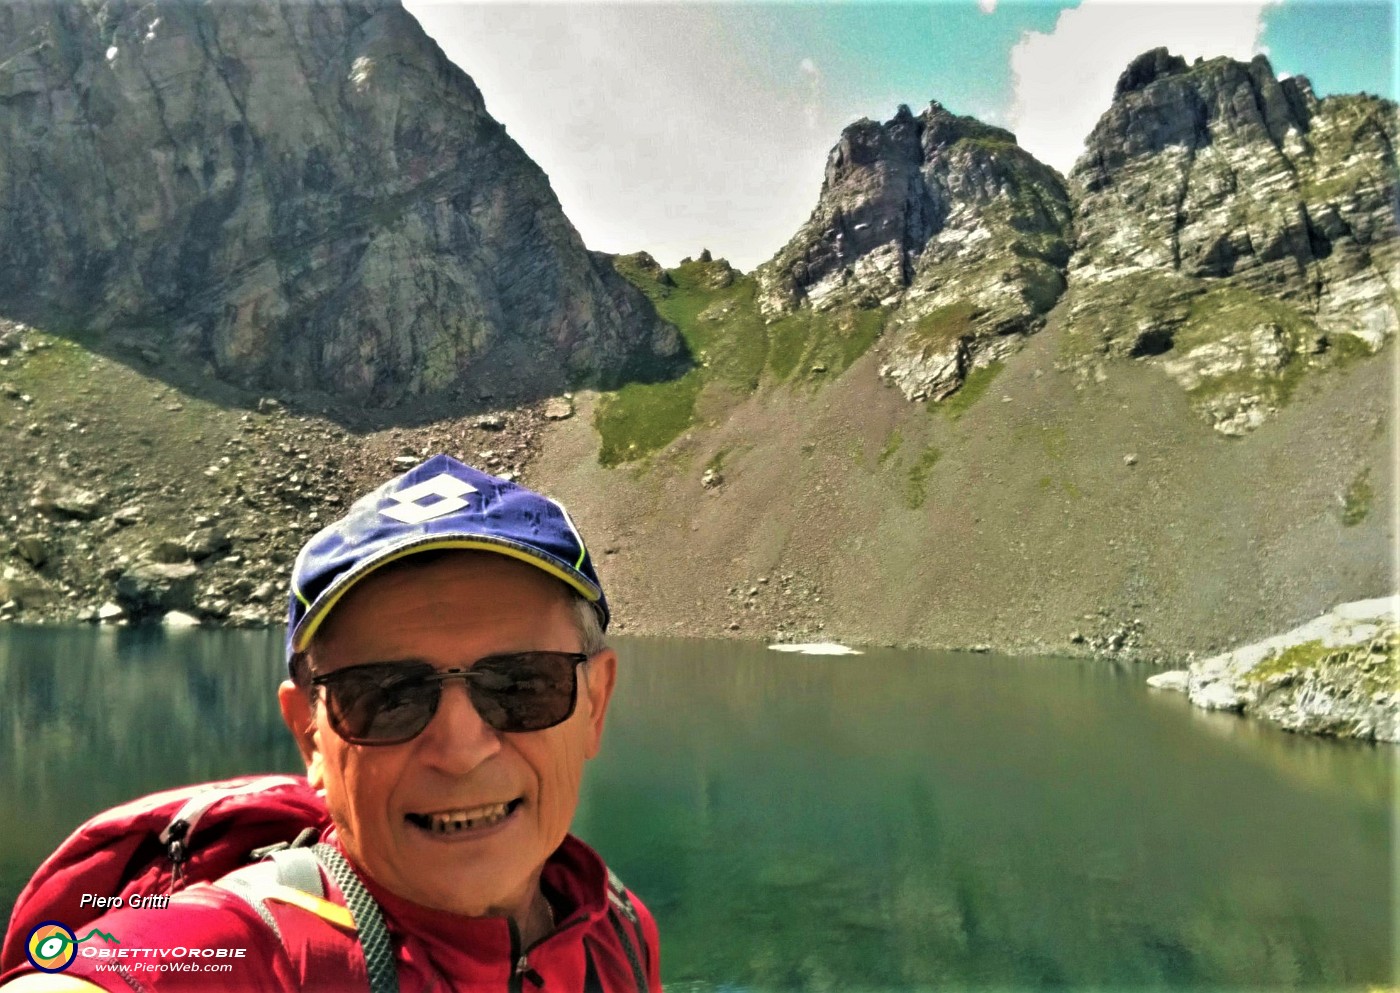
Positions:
{"x": 520, "y": 957}
{"x": 519, "y": 963}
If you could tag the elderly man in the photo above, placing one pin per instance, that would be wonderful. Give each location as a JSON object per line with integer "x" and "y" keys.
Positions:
{"x": 448, "y": 682}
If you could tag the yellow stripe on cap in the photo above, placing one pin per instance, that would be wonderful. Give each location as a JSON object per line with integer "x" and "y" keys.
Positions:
{"x": 314, "y": 618}
{"x": 324, "y": 909}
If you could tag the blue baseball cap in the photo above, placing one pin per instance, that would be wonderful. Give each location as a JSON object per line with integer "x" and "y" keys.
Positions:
{"x": 440, "y": 504}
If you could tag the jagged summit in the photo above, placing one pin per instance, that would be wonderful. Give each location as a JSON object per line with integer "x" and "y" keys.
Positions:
{"x": 943, "y": 218}
{"x": 1160, "y": 102}
{"x": 1237, "y": 226}
{"x": 1146, "y": 69}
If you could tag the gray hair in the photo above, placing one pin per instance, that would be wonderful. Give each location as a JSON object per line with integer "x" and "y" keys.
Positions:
{"x": 590, "y": 627}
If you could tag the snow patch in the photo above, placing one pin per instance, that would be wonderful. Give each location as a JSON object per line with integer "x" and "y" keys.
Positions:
{"x": 817, "y": 648}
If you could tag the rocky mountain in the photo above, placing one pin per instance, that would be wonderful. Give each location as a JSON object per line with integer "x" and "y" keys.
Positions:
{"x": 1236, "y": 226}
{"x": 1227, "y": 225}
{"x": 290, "y": 195}
{"x": 1066, "y": 495}
{"x": 947, "y": 221}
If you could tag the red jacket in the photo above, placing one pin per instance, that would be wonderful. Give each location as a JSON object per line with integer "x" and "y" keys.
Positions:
{"x": 209, "y": 939}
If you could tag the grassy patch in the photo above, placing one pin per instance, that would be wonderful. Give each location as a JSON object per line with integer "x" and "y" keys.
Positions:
{"x": 787, "y": 339}
{"x": 974, "y": 387}
{"x": 942, "y": 327}
{"x": 641, "y": 418}
{"x": 716, "y": 462}
{"x": 1345, "y": 349}
{"x": 1055, "y": 440}
{"x": 715, "y": 309}
{"x": 916, "y": 486}
{"x": 1356, "y": 501}
{"x": 1109, "y": 316}
{"x": 1231, "y": 309}
{"x": 716, "y": 313}
{"x": 892, "y": 444}
{"x": 833, "y": 339}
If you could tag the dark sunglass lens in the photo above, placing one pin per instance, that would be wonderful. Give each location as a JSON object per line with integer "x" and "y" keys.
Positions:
{"x": 529, "y": 691}
{"x": 381, "y": 705}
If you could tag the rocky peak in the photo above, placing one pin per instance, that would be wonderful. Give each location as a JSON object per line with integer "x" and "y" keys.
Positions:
{"x": 1160, "y": 104}
{"x": 1147, "y": 68}
{"x": 1219, "y": 207}
{"x": 293, "y": 195}
{"x": 943, "y": 219}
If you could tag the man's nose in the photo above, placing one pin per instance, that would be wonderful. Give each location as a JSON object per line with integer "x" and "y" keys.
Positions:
{"x": 457, "y": 739}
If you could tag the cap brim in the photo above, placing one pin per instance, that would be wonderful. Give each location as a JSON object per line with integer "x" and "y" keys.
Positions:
{"x": 318, "y": 610}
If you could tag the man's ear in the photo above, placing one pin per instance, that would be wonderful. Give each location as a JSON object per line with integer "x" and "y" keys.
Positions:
{"x": 299, "y": 714}
{"x": 598, "y": 683}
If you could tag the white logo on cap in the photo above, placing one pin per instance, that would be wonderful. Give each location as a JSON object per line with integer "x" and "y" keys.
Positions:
{"x": 447, "y": 487}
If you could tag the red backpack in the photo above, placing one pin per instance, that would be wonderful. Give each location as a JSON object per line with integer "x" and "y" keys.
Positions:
{"x": 160, "y": 844}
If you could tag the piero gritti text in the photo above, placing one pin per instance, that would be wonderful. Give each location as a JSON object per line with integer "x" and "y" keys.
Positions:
{"x": 137, "y": 901}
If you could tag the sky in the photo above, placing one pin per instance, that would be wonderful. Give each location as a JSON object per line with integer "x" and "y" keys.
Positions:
{"x": 672, "y": 127}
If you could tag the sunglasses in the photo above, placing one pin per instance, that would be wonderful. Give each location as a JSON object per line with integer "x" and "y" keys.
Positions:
{"x": 388, "y": 703}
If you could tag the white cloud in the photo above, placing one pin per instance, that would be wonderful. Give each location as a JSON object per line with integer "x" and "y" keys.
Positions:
{"x": 987, "y": 6}
{"x": 1063, "y": 81}
{"x": 656, "y": 130}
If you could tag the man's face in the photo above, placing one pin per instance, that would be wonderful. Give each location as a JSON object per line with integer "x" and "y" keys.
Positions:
{"x": 449, "y": 612}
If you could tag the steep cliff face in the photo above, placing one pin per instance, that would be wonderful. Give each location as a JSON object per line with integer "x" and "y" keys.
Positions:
{"x": 942, "y": 218}
{"x": 1236, "y": 226}
{"x": 304, "y": 195}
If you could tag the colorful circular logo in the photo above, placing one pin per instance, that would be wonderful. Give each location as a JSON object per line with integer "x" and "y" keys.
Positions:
{"x": 51, "y": 947}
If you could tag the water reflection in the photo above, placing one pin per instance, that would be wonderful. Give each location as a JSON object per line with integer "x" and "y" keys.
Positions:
{"x": 893, "y": 821}
{"x": 901, "y": 821}
{"x": 95, "y": 716}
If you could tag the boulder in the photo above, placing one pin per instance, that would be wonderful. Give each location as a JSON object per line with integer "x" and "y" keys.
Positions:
{"x": 1177, "y": 681}
{"x": 128, "y": 515}
{"x": 1219, "y": 695}
{"x": 156, "y": 588}
{"x": 204, "y": 543}
{"x": 558, "y": 409}
{"x": 179, "y": 619}
{"x": 167, "y": 551}
{"x": 33, "y": 549}
{"x": 25, "y": 588}
{"x": 66, "y": 500}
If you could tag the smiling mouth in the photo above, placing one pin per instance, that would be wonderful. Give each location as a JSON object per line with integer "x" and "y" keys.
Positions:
{"x": 450, "y": 822}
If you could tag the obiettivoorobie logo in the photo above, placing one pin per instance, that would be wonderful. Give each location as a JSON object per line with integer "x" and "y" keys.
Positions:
{"x": 52, "y": 947}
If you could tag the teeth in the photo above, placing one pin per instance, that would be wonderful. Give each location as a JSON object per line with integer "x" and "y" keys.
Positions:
{"x": 451, "y": 821}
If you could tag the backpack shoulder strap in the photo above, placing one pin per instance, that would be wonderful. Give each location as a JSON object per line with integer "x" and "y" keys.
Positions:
{"x": 293, "y": 876}
{"x": 630, "y": 933}
{"x": 375, "y": 943}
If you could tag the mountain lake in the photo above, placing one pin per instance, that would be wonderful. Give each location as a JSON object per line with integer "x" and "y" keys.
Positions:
{"x": 891, "y": 821}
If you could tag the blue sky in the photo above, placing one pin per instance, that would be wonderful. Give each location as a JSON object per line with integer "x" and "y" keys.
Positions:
{"x": 672, "y": 127}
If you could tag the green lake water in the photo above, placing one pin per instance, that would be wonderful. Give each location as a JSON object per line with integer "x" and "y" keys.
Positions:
{"x": 888, "y": 822}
